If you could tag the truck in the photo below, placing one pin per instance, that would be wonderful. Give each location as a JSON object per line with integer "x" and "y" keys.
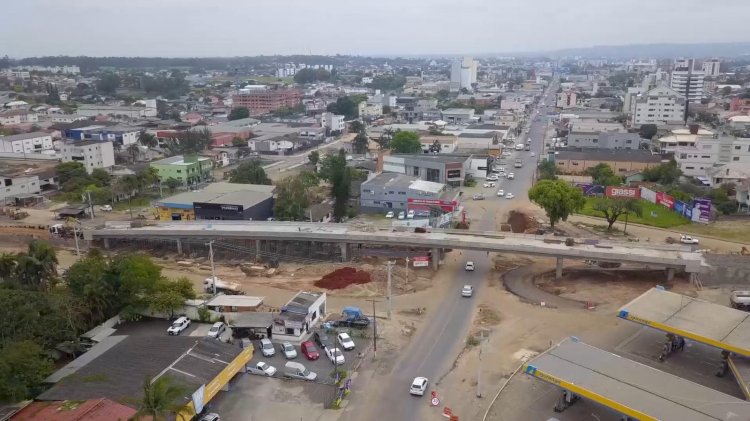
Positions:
{"x": 261, "y": 369}
{"x": 518, "y": 164}
{"x": 229, "y": 288}
{"x": 351, "y": 317}
{"x": 298, "y": 371}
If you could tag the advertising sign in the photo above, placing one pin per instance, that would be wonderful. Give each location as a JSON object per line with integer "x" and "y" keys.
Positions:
{"x": 198, "y": 399}
{"x": 623, "y": 192}
{"x": 665, "y": 200}
{"x": 421, "y": 261}
{"x": 679, "y": 207}
{"x": 649, "y": 195}
{"x": 701, "y": 210}
{"x": 590, "y": 189}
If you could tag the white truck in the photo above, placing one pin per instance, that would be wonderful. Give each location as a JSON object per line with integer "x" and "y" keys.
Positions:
{"x": 261, "y": 369}
{"x": 229, "y": 288}
{"x": 740, "y": 300}
{"x": 298, "y": 371}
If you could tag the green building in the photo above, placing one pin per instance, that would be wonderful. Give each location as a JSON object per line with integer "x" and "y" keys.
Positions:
{"x": 189, "y": 170}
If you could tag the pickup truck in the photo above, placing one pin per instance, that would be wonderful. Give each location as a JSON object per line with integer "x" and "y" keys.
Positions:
{"x": 262, "y": 369}
{"x": 298, "y": 371}
{"x": 351, "y": 317}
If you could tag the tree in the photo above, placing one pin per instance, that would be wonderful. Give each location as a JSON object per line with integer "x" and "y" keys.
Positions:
{"x": 101, "y": 177}
{"x": 239, "y": 142}
{"x": 647, "y": 131}
{"x": 406, "y": 142}
{"x": 37, "y": 268}
{"x": 108, "y": 83}
{"x": 238, "y": 113}
{"x": 170, "y": 296}
{"x": 87, "y": 280}
{"x": 622, "y": 118}
{"x": 664, "y": 174}
{"x": 147, "y": 139}
{"x": 348, "y": 106}
{"x": 134, "y": 150}
{"x": 603, "y": 175}
{"x": 314, "y": 158}
{"x": 361, "y": 143}
{"x": 190, "y": 142}
{"x": 356, "y": 126}
{"x": 387, "y": 83}
{"x": 309, "y": 75}
{"x": 558, "y": 199}
{"x": 334, "y": 170}
{"x": 161, "y": 397}
{"x": 613, "y": 208}
{"x": 386, "y": 109}
{"x": 70, "y": 170}
{"x": 291, "y": 199}
{"x": 547, "y": 170}
{"x": 23, "y": 368}
{"x": 250, "y": 172}
{"x": 726, "y": 90}
{"x": 172, "y": 184}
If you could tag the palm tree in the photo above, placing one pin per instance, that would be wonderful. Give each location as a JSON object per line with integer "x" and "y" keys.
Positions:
{"x": 147, "y": 139}
{"x": 160, "y": 398}
{"x": 134, "y": 150}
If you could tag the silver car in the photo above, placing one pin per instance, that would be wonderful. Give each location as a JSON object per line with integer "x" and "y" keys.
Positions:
{"x": 467, "y": 291}
{"x": 288, "y": 350}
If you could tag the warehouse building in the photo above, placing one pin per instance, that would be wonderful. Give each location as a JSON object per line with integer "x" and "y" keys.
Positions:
{"x": 219, "y": 201}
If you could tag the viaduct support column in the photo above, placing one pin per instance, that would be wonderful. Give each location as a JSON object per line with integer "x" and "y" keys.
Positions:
{"x": 670, "y": 274}
{"x": 558, "y": 269}
{"x": 344, "y": 251}
{"x": 257, "y": 249}
{"x": 179, "y": 246}
{"x": 106, "y": 243}
{"x": 435, "y": 258}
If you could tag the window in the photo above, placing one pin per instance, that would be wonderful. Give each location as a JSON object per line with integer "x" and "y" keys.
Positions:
{"x": 705, "y": 156}
{"x": 595, "y": 140}
{"x": 736, "y": 148}
{"x": 574, "y": 163}
{"x": 629, "y": 141}
{"x": 735, "y": 158}
{"x": 391, "y": 192}
{"x": 403, "y": 193}
{"x": 689, "y": 168}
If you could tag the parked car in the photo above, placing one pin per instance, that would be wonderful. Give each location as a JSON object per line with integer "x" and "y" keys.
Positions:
{"x": 288, "y": 350}
{"x": 322, "y": 339}
{"x": 216, "y": 330}
{"x": 467, "y": 291}
{"x": 469, "y": 266}
{"x": 298, "y": 371}
{"x": 211, "y": 416}
{"x": 410, "y": 214}
{"x": 479, "y": 196}
{"x": 489, "y": 184}
{"x": 178, "y": 325}
{"x": 345, "y": 341}
{"x": 263, "y": 369}
{"x": 402, "y": 215}
{"x": 511, "y": 176}
{"x": 740, "y": 300}
{"x": 309, "y": 350}
{"x": 509, "y": 195}
{"x": 500, "y": 193}
{"x": 389, "y": 215}
{"x": 105, "y": 208}
{"x": 266, "y": 347}
{"x": 418, "y": 386}
{"x": 335, "y": 355}
{"x": 686, "y": 239}
{"x": 533, "y": 154}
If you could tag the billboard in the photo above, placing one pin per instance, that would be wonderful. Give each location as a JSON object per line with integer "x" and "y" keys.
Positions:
{"x": 446, "y": 206}
{"x": 649, "y": 195}
{"x": 701, "y": 210}
{"x": 590, "y": 189}
{"x": 421, "y": 261}
{"x": 665, "y": 200}
{"x": 623, "y": 192}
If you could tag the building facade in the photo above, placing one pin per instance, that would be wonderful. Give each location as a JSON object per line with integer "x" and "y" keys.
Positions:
{"x": 686, "y": 81}
{"x": 391, "y": 192}
{"x": 712, "y": 68}
{"x": 91, "y": 153}
{"x": 621, "y": 161}
{"x": 604, "y": 140}
{"x": 458, "y": 115}
{"x": 264, "y": 101}
{"x": 333, "y": 122}
{"x": 463, "y": 74}
{"x": 119, "y": 134}
{"x": 89, "y": 110}
{"x": 35, "y": 142}
{"x": 12, "y": 117}
{"x": 661, "y": 105}
{"x": 566, "y": 99}
{"x": 189, "y": 170}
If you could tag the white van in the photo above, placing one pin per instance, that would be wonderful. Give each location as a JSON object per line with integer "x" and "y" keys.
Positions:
{"x": 267, "y": 347}
{"x": 519, "y": 147}
{"x": 298, "y": 371}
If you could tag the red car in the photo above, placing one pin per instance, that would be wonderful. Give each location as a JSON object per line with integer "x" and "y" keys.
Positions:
{"x": 310, "y": 351}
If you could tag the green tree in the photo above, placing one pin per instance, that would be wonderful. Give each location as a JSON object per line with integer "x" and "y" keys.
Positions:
{"x": 147, "y": 139}
{"x": 190, "y": 142}
{"x": 558, "y": 199}
{"x": 108, "y": 83}
{"x": 161, "y": 397}
{"x": 726, "y": 90}
{"x": 101, "y": 177}
{"x": 356, "y": 126}
{"x": 87, "y": 280}
{"x": 8, "y": 264}
{"x": 238, "y": 113}
{"x": 603, "y": 175}
{"x": 613, "y": 208}
{"x": 239, "y": 142}
{"x": 348, "y": 106}
{"x": 169, "y": 296}
{"x": 314, "y": 158}
{"x": 547, "y": 170}
{"x": 664, "y": 174}
{"x": 70, "y": 170}
{"x": 134, "y": 150}
{"x": 361, "y": 143}
{"x": 23, "y": 368}
{"x": 37, "y": 268}
{"x": 250, "y": 172}
{"x": 406, "y": 142}
{"x": 334, "y": 170}
{"x": 172, "y": 184}
{"x": 647, "y": 131}
{"x": 308, "y": 75}
{"x": 137, "y": 277}
{"x": 291, "y": 199}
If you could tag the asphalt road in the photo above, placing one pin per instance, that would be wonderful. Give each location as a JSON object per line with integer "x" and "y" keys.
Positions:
{"x": 434, "y": 348}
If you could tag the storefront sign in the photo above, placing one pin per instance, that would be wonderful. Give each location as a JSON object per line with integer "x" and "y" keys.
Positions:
{"x": 421, "y": 261}
{"x": 623, "y": 192}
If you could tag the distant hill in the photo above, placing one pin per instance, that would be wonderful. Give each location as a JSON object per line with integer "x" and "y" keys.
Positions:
{"x": 720, "y": 49}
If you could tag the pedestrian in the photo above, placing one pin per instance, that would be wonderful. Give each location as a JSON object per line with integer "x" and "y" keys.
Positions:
{"x": 680, "y": 343}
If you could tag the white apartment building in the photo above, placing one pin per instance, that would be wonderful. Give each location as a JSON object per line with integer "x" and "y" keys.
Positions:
{"x": 333, "y": 122}
{"x": 683, "y": 138}
{"x": 566, "y": 99}
{"x": 91, "y": 153}
{"x": 35, "y": 142}
{"x": 660, "y": 105}
{"x": 706, "y": 154}
{"x": 18, "y": 186}
{"x": 686, "y": 81}
{"x": 712, "y": 67}
{"x": 463, "y": 74}
{"x": 88, "y": 110}
{"x": 11, "y": 117}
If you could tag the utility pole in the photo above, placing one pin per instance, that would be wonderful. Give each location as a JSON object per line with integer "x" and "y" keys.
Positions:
{"x": 91, "y": 204}
{"x": 388, "y": 289}
{"x": 374, "y": 330}
{"x": 406, "y": 266}
{"x": 210, "y": 245}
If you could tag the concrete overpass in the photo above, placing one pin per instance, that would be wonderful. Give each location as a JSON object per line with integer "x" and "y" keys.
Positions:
{"x": 670, "y": 257}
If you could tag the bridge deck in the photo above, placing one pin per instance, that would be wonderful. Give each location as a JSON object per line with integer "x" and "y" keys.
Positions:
{"x": 713, "y": 324}
{"x": 632, "y": 388}
{"x": 740, "y": 367}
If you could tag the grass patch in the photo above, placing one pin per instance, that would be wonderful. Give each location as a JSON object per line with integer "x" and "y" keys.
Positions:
{"x": 471, "y": 341}
{"x": 136, "y": 202}
{"x": 653, "y": 215}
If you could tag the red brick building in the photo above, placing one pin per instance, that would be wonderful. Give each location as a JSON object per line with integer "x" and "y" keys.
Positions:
{"x": 740, "y": 104}
{"x": 263, "y": 101}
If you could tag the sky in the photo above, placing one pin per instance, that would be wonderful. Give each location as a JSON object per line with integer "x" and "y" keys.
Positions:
{"x": 220, "y": 28}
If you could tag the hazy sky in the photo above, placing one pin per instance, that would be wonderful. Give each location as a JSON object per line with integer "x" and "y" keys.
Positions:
{"x": 251, "y": 27}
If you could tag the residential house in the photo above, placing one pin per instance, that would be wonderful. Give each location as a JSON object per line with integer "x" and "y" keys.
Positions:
{"x": 299, "y": 316}
{"x": 683, "y": 138}
{"x": 700, "y": 158}
{"x": 369, "y": 109}
{"x": 333, "y": 122}
{"x": 733, "y": 172}
{"x": 91, "y": 153}
{"x": 17, "y": 116}
{"x": 438, "y": 143}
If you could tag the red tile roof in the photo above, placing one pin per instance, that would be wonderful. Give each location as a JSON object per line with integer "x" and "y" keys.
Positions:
{"x": 91, "y": 410}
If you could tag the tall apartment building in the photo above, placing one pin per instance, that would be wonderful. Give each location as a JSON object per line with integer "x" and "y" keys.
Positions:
{"x": 463, "y": 74}
{"x": 264, "y": 101}
{"x": 91, "y": 153}
{"x": 687, "y": 81}
{"x": 712, "y": 67}
{"x": 660, "y": 105}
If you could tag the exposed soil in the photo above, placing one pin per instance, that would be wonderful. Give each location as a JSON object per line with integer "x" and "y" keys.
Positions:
{"x": 520, "y": 222}
{"x": 342, "y": 278}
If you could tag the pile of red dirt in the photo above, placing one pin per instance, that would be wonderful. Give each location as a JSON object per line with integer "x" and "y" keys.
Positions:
{"x": 342, "y": 278}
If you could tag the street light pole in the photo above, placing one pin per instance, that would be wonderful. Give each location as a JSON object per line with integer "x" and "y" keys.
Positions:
{"x": 213, "y": 268}
{"x": 388, "y": 289}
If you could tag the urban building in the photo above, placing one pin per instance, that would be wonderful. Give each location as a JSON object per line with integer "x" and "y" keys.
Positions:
{"x": 739, "y": 104}
{"x": 333, "y": 122}
{"x": 449, "y": 169}
{"x": 604, "y": 140}
{"x": 734, "y": 172}
{"x": 369, "y": 109}
{"x": 712, "y": 67}
{"x": 391, "y": 192}
{"x": 18, "y": 186}
{"x": 458, "y": 115}
{"x": 91, "y": 153}
{"x": 621, "y": 161}
{"x": 661, "y": 105}
{"x": 683, "y": 138}
{"x": 412, "y": 109}
{"x": 463, "y": 74}
{"x": 566, "y": 99}
{"x": 696, "y": 159}
{"x": 89, "y": 110}
{"x": 298, "y": 316}
{"x": 438, "y": 143}
{"x": 122, "y": 135}
{"x": 18, "y": 116}
{"x": 35, "y": 142}
{"x": 264, "y": 101}
{"x": 687, "y": 81}
{"x": 189, "y": 170}
{"x": 219, "y": 201}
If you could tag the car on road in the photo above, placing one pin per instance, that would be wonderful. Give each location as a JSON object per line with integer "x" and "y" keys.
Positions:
{"x": 467, "y": 291}
{"x": 216, "y": 330}
{"x": 509, "y": 195}
{"x": 686, "y": 239}
{"x": 105, "y": 208}
{"x": 492, "y": 177}
{"x": 418, "y": 386}
{"x": 402, "y": 215}
{"x": 410, "y": 214}
{"x": 479, "y": 196}
{"x": 309, "y": 350}
{"x": 389, "y": 215}
{"x": 322, "y": 339}
{"x": 266, "y": 347}
{"x": 335, "y": 355}
{"x": 533, "y": 154}
{"x": 469, "y": 266}
{"x": 288, "y": 350}
{"x": 178, "y": 325}
{"x": 500, "y": 193}
{"x": 489, "y": 184}
{"x": 345, "y": 341}
{"x": 262, "y": 368}
{"x": 511, "y": 176}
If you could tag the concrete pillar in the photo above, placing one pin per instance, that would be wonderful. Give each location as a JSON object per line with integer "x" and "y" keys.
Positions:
{"x": 435, "y": 258}
{"x": 670, "y": 274}
{"x": 344, "y": 251}
{"x": 558, "y": 269}
{"x": 257, "y": 249}
{"x": 106, "y": 243}
{"x": 179, "y": 246}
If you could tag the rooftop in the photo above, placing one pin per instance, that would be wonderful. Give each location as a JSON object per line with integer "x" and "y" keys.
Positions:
{"x": 100, "y": 409}
{"x": 443, "y": 157}
{"x": 458, "y": 111}
{"x": 615, "y": 155}
{"x": 403, "y": 182}
{"x": 246, "y": 195}
{"x": 178, "y": 160}
{"x": 24, "y": 136}
{"x": 487, "y": 126}
{"x": 235, "y": 301}
{"x": 27, "y": 168}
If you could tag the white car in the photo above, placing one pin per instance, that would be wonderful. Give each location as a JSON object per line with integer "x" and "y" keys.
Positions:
{"x": 288, "y": 350}
{"x": 178, "y": 325}
{"x": 686, "y": 239}
{"x": 266, "y": 346}
{"x": 511, "y": 176}
{"x": 500, "y": 193}
{"x": 489, "y": 184}
{"x": 402, "y": 215}
{"x": 469, "y": 266}
{"x": 216, "y": 330}
{"x": 105, "y": 208}
{"x": 335, "y": 355}
{"x": 265, "y": 368}
{"x": 389, "y": 215}
{"x": 479, "y": 196}
{"x": 410, "y": 214}
{"x": 345, "y": 341}
{"x": 418, "y": 386}
{"x": 492, "y": 177}
{"x": 533, "y": 154}
{"x": 509, "y": 195}
{"x": 467, "y": 291}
